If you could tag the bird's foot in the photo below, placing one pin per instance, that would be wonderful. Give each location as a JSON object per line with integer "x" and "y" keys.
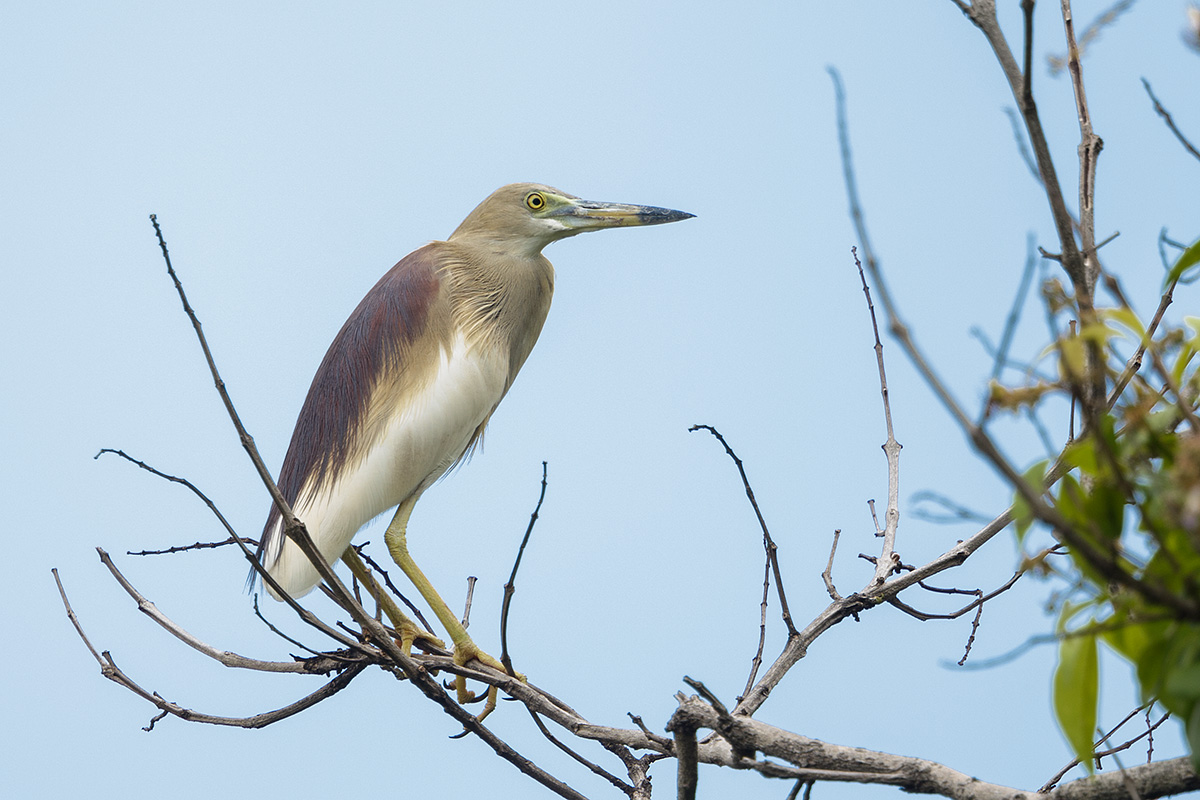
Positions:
{"x": 466, "y": 651}
{"x": 410, "y": 633}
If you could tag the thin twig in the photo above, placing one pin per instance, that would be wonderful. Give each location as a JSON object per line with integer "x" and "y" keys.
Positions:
{"x": 1097, "y": 755}
{"x": 510, "y": 587}
{"x": 661, "y": 741}
{"x": 223, "y": 656}
{"x": 595, "y": 769}
{"x": 804, "y": 785}
{"x": 1014, "y": 317}
{"x": 387, "y": 580}
{"x": 188, "y": 547}
{"x": 305, "y": 615}
{"x": 110, "y": 670}
{"x": 466, "y": 617}
{"x": 984, "y": 16}
{"x": 768, "y": 542}
{"x": 1027, "y": 82}
{"x": 955, "y": 511}
{"x": 638, "y": 769}
{"x": 827, "y": 575}
{"x": 194, "y": 490}
{"x": 1022, "y": 145}
{"x": 295, "y": 643}
{"x": 74, "y": 619}
{"x": 1166, "y": 115}
{"x": 756, "y": 662}
{"x": 1058, "y": 63}
{"x": 1089, "y": 151}
{"x": 891, "y": 447}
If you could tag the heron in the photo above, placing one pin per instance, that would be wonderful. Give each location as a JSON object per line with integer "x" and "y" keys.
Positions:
{"x": 411, "y": 380}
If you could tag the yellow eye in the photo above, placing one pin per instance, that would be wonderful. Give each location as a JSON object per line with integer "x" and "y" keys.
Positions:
{"x": 536, "y": 201}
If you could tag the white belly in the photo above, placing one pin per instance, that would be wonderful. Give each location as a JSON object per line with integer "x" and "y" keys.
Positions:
{"x": 422, "y": 441}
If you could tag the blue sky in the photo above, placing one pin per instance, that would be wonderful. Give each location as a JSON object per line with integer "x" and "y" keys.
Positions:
{"x": 294, "y": 152}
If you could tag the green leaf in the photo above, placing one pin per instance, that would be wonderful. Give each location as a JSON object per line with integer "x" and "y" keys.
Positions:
{"x": 1185, "y": 682}
{"x": 1193, "y": 734}
{"x": 1150, "y": 668}
{"x": 1186, "y": 354}
{"x": 1035, "y": 477}
{"x": 1070, "y": 500}
{"x": 1126, "y": 317}
{"x": 1082, "y": 454}
{"x": 1076, "y": 689}
{"x": 1187, "y": 259}
{"x": 1106, "y": 507}
{"x": 1130, "y": 641}
{"x": 1072, "y": 356}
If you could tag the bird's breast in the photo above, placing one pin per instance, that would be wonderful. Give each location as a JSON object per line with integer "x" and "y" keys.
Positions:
{"x": 416, "y": 433}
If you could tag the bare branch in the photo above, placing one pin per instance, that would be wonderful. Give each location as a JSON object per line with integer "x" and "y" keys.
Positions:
{"x": 756, "y": 662}
{"x": 818, "y": 760}
{"x": 194, "y": 490}
{"x": 1089, "y": 151}
{"x": 185, "y": 548}
{"x": 109, "y": 669}
{"x": 510, "y": 588}
{"x": 891, "y": 447}
{"x": 1092, "y": 33}
{"x": 223, "y": 656}
{"x": 337, "y": 658}
{"x": 1099, "y": 754}
{"x": 295, "y": 530}
{"x": 1022, "y": 145}
{"x": 74, "y": 619}
{"x": 595, "y": 769}
{"x": 686, "y": 755}
{"x": 1014, "y": 317}
{"x": 954, "y": 511}
{"x": 827, "y": 575}
{"x": 768, "y": 542}
{"x": 387, "y": 580}
{"x": 466, "y": 617}
{"x": 983, "y": 14}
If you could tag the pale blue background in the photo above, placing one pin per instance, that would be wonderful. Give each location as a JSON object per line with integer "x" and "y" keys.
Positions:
{"x": 294, "y": 152}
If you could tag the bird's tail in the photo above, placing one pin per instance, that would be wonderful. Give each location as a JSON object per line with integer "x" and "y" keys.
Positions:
{"x": 284, "y": 561}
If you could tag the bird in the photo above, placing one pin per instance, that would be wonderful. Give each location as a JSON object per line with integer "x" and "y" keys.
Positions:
{"x": 412, "y": 379}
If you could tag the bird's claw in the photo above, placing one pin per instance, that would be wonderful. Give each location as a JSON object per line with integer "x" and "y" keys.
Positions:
{"x": 411, "y": 633}
{"x": 465, "y": 652}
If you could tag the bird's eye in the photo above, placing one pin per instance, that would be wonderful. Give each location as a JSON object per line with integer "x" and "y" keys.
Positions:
{"x": 536, "y": 201}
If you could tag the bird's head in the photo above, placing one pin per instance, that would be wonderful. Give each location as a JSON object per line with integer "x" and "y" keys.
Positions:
{"x": 529, "y": 216}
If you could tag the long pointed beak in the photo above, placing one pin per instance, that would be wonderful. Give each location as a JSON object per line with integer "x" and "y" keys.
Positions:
{"x": 588, "y": 215}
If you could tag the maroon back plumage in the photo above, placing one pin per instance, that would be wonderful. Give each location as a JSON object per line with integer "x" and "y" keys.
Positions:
{"x": 390, "y": 316}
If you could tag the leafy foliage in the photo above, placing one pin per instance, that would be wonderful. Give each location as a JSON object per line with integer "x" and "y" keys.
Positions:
{"x": 1126, "y": 503}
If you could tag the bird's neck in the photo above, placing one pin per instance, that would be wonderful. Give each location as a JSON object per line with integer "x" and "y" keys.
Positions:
{"x": 500, "y": 299}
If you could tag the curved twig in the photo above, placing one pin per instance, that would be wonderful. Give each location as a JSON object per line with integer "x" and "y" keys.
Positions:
{"x": 510, "y": 587}
{"x": 768, "y": 542}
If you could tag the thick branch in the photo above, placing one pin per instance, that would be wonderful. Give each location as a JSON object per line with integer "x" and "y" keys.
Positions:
{"x": 983, "y": 14}
{"x": 815, "y": 759}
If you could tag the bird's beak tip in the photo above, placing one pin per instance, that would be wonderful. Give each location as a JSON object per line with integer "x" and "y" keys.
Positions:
{"x": 611, "y": 215}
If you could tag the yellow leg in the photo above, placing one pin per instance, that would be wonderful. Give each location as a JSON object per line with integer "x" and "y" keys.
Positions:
{"x": 464, "y": 648}
{"x": 409, "y": 630}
